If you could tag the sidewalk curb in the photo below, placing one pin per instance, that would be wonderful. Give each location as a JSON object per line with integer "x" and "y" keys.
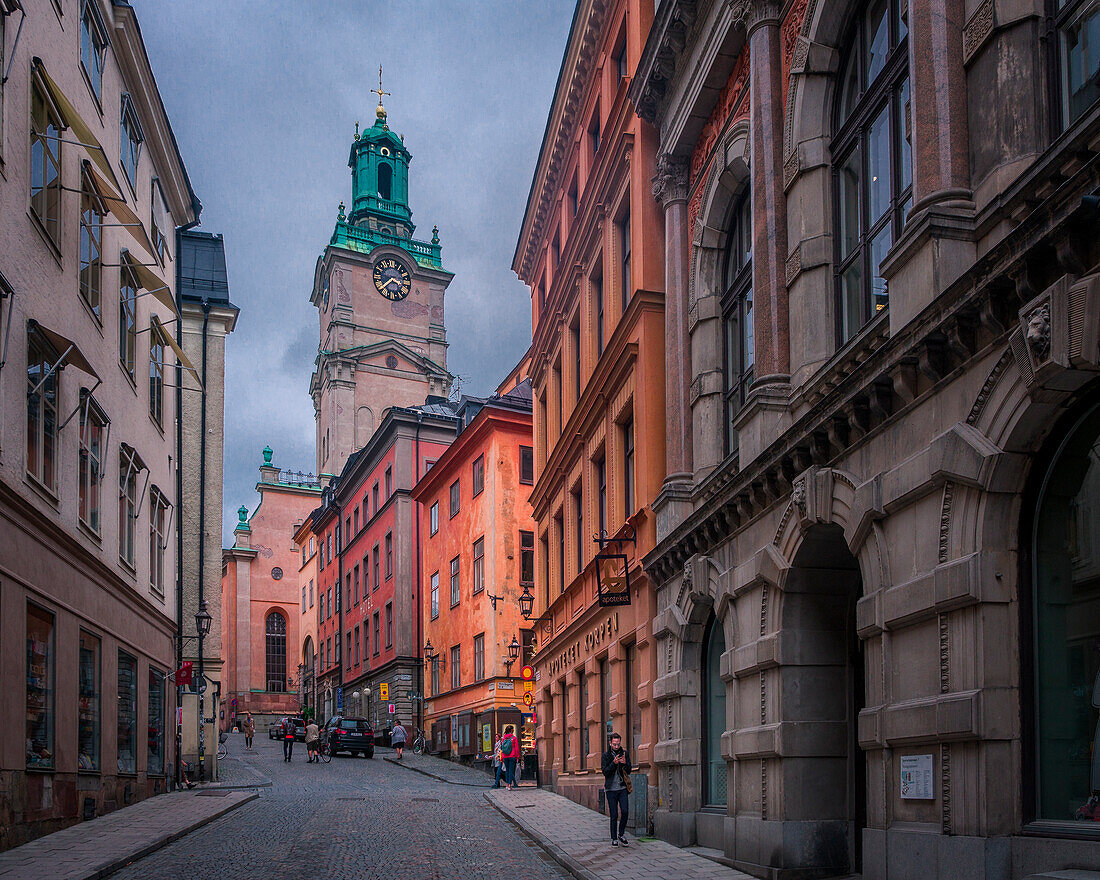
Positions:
{"x": 397, "y": 763}
{"x": 161, "y": 842}
{"x": 555, "y": 852}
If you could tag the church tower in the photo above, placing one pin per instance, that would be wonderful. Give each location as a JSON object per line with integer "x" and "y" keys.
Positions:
{"x": 379, "y": 295}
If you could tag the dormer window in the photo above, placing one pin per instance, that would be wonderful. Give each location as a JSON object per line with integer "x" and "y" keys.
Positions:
{"x": 385, "y": 181}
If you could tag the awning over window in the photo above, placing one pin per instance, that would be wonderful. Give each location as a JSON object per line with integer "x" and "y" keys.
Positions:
{"x": 116, "y": 205}
{"x": 152, "y": 284}
{"x": 72, "y": 120}
{"x": 67, "y": 350}
{"x": 184, "y": 360}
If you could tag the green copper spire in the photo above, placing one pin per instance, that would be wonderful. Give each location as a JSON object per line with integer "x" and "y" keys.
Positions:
{"x": 379, "y": 166}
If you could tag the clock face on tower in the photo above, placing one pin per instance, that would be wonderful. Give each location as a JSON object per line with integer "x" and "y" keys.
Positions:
{"x": 391, "y": 279}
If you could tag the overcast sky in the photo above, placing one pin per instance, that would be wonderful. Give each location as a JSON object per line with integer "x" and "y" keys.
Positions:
{"x": 263, "y": 99}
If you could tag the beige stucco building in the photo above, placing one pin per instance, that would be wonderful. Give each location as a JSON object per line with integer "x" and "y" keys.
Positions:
{"x": 92, "y": 190}
{"x": 878, "y": 625}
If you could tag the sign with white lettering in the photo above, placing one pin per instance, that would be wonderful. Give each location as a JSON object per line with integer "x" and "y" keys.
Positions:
{"x": 916, "y": 777}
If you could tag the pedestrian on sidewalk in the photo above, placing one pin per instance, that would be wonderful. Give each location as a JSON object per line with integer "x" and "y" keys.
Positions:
{"x": 498, "y": 761}
{"x": 249, "y": 731}
{"x": 509, "y": 751}
{"x": 398, "y": 737}
{"x": 313, "y": 734}
{"x": 616, "y": 768}
{"x": 288, "y": 738}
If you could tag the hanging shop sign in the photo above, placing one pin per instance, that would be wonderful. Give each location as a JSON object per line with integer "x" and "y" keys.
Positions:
{"x": 613, "y": 569}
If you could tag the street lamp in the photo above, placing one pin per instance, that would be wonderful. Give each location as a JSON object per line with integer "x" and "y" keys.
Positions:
{"x": 526, "y": 602}
{"x": 202, "y": 627}
{"x": 513, "y": 654}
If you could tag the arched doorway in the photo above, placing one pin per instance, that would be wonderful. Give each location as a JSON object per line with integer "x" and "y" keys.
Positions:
{"x": 1064, "y": 626}
{"x": 714, "y": 716}
{"x": 824, "y": 690}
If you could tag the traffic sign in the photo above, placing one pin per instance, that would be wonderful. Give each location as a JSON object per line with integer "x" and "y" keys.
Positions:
{"x": 393, "y": 708}
{"x": 528, "y": 673}
{"x": 339, "y": 699}
{"x": 528, "y": 699}
{"x": 528, "y": 687}
{"x": 384, "y": 692}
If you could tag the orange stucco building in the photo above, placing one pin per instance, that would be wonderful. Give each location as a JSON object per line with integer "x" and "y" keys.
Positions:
{"x": 591, "y": 249}
{"x": 260, "y": 600}
{"x": 477, "y": 557}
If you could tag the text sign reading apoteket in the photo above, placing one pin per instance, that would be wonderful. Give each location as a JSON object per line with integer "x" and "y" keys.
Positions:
{"x": 916, "y": 777}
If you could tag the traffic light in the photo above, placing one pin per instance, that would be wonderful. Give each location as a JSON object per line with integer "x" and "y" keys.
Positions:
{"x": 528, "y": 673}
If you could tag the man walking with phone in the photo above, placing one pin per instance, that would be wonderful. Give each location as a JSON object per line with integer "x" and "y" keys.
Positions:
{"x": 616, "y": 768}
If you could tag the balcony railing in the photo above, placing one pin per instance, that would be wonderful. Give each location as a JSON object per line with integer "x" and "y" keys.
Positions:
{"x": 364, "y": 239}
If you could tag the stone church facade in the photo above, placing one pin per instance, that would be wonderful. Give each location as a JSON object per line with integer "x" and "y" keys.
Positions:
{"x": 878, "y": 629}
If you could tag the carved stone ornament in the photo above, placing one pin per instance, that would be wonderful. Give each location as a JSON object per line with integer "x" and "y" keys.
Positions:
{"x": 1038, "y": 332}
{"x": 798, "y": 496}
{"x": 670, "y": 183}
{"x": 753, "y": 13}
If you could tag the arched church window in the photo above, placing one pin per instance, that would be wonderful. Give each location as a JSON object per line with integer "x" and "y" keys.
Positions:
{"x": 873, "y": 165}
{"x": 737, "y": 312}
{"x": 385, "y": 181}
{"x": 714, "y": 715}
{"x": 275, "y": 629}
{"x": 1066, "y": 635}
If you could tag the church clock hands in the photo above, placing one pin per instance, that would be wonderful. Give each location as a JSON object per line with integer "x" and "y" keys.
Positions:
{"x": 391, "y": 279}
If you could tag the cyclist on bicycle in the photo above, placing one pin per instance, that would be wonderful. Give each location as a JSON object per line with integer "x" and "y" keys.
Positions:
{"x": 313, "y": 735}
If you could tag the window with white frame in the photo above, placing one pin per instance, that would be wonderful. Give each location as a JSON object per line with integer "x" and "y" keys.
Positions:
{"x": 160, "y": 221}
{"x": 43, "y": 394}
{"x": 433, "y": 518}
{"x": 45, "y": 163}
{"x": 156, "y": 373}
{"x": 456, "y": 666}
{"x": 127, "y": 315}
{"x": 455, "y": 594}
{"x": 130, "y": 140}
{"x": 93, "y": 441}
{"x": 129, "y": 465}
{"x": 91, "y": 246}
{"x": 435, "y": 595}
{"x": 158, "y": 537}
{"x": 479, "y": 565}
{"x": 478, "y": 475}
{"x": 479, "y": 657}
{"x": 93, "y": 45}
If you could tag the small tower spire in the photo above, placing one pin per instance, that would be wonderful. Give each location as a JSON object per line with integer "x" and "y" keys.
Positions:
{"x": 381, "y": 111}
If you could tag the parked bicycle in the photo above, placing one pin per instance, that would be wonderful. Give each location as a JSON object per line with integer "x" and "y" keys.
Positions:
{"x": 420, "y": 745}
{"x": 223, "y": 749}
{"x": 324, "y": 749}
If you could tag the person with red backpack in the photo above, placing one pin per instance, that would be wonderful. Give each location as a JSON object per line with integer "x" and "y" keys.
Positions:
{"x": 288, "y": 738}
{"x": 509, "y": 750}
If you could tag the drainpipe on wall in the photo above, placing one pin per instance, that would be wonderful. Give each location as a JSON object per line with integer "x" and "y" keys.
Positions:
{"x": 416, "y": 589}
{"x": 202, "y": 539}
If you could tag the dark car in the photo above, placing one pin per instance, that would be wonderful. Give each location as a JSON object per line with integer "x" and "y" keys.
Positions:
{"x": 275, "y": 728}
{"x": 351, "y": 735}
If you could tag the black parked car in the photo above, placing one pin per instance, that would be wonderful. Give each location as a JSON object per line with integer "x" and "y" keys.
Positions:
{"x": 275, "y": 728}
{"x": 351, "y": 735}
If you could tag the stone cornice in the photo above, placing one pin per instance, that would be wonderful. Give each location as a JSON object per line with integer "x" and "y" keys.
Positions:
{"x": 574, "y": 81}
{"x": 666, "y": 41}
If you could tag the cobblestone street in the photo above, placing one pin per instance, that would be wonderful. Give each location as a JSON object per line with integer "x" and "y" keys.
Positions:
{"x": 351, "y": 818}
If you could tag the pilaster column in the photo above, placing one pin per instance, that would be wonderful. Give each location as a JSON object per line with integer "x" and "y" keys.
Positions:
{"x": 670, "y": 188}
{"x": 941, "y": 163}
{"x": 771, "y": 325}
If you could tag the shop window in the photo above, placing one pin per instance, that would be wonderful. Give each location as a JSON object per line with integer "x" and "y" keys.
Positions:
{"x": 127, "y": 713}
{"x": 156, "y": 723}
{"x": 275, "y": 651}
{"x": 714, "y": 716}
{"x": 1066, "y": 602}
{"x": 873, "y": 164}
{"x": 88, "y": 696}
{"x": 40, "y": 689}
{"x": 585, "y": 736}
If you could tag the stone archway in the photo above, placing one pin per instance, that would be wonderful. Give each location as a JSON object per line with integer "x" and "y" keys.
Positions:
{"x": 823, "y": 777}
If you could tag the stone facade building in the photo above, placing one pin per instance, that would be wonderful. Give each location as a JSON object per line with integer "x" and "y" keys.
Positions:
{"x": 260, "y": 613}
{"x": 591, "y": 251}
{"x": 477, "y": 557}
{"x": 93, "y": 191}
{"x": 878, "y": 629}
